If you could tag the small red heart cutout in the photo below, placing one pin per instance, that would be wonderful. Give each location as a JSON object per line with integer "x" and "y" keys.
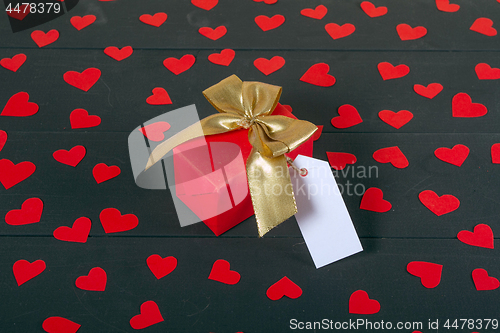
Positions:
{"x": 113, "y": 221}
{"x": 373, "y": 200}
{"x": 150, "y": 315}
{"x": 483, "y": 281}
{"x": 178, "y": 66}
{"x": 84, "y": 80}
{"x": 19, "y": 106}
{"x": 284, "y": 287}
{"x": 395, "y": 119}
{"x": 373, "y": 11}
{"x": 388, "y": 71}
{"x": 30, "y": 212}
{"x": 456, "y": 155}
{"x": 348, "y": 117}
{"x": 360, "y": 303}
{"x": 155, "y": 131}
{"x": 338, "y": 161}
{"x": 3, "y": 139}
{"x": 482, "y": 236}
{"x": 24, "y": 270}
{"x": 318, "y": 75}
{"x": 12, "y": 174}
{"x": 79, "y": 118}
{"x": 102, "y": 172}
{"x": 392, "y": 155}
{"x": 445, "y": 6}
{"x": 160, "y": 97}
{"x": 484, "y": 26}
{"x": 72, "y": 157}
{"x": 269, "y": 23}
{"x": 119, "y": 54}
{"x": 439, "y": 205}
{"x": 60, "y": 325}
{"x": 43, "y": 39}
{"x": 428, "y": 272}
{"x": 486, "y": 72}
{"x": 269, "y": 66}
{"x": 82, "y": 22}
{"x": 155, "y": 20}
{"x": 318, "y": 132}
{"x": 339, "y": 31}
{"x": 220, "y": 272}
{"x": 267, "y": 2}
{"x": 463, "y": 107}
{"x": 13, "y": 63}
{"x": 161, "y": 267}
{"x": 78, "y": 233}
{"x": 406, "y": 32}
{"x": 224, "y": 58}
{"x": 495, "y": 153}
{"x": 94, "y": 281}
{"x": 431, "y": 91}
{"x": 205, "y": 4}
{"x": 213, "y": 34}
{"x": 318, "y": 13}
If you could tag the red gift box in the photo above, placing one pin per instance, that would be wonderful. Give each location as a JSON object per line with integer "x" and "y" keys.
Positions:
{"x": 210, "y": 176}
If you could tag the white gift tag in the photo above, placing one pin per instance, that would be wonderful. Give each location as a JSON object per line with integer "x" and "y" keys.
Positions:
{"x": 322, "y": 215}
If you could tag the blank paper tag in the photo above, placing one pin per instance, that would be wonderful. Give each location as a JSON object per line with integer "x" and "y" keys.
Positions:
{"x": 322, "y": 215}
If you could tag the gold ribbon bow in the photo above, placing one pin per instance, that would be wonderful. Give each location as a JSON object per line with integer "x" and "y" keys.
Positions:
{"x": 249, "y": 105}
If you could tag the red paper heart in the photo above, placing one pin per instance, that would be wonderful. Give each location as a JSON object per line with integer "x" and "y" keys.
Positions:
{"x": 60, "y": 325}
{"x": 455, "y": 155}
{"x": 30, "y": 212}
{"x": 268, "y": 23}
{"x": 318, "y": 13}
{"x": 220, "y": 272}
{"x": 178, "y": 66}
{"x": 94, "y": 281}
{"x": 373, "y": 200}
{"x": 155, "y": 131}
{"x": 395, "y": 119}
{"x": 486, "y": 72}
{"x": 406, "y": 32}
{"x": 102, "y": 172}
{"x": 112, "y": 221}
{"x": 318, "y": 75}
{"x": 439, "y": 205}
{"x": 213, "y": 34}
{"x": 339, "y": 31}
{"x": 21, "y": 14}
{"x": 284, "y": 287}
{"x": 484, "y": 282}
{"x": 482, "y": 236}
{"x": 72, "y": 157}
{"x": 159, "y": 97}
{"x": 155, "y": 20}
{"x": 348, "y": 116}
{"x": 12, "y": 174}
{"x": 19, "y": 106}
{"x": 84, "y": 80}
{"x": 161, "y": 267}
{"x": 119, "y": 54}
{"x": 267, "y": 2}
{"x": 81, "y": 22}
{"x": 338, "y": 161}
{"x": 150, "y": 315}
{"x": 13, "y": 63}
{"x": 269, "y": 66}
{"x": 462, "y": 106}
{"x": 428, "y": 272}
{"x": 484, "y": 26}
{"x": 79, "y": 118}
{"x": 3, "y": 139}
{"x": 388, "y": 71}
{"x": 205, "y": 4}
{"x": 78, "y": 233}
{"x": 24, "y": 270}
{"x": 223, "y": 58}
{"x": 43, "y": 39}
{"x": 445, "y": 6}
{"x": 392, "y": 155}
{"x": 373, "y": 11}
{"x": 431, "y": 91}
{"x": 495, "y": 153}
{"x": 360, "y": 303}
{"x": 318, "y": 132}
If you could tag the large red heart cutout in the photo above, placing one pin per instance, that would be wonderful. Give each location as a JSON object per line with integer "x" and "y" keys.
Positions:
{"x": 24, "y": 270}
{"x": 486, "y": 72}
{"x": 268, "y": 23}
{"x": 284, "y": 287}
{"x": 463, "y": 107}
{"x": 161, "y": 267}
{"x": 428, "y": 272}
{"x": 119, "y": 54}
{"x": 78, "y": 233}
{"x": 3, "y": 139}
{"x": 483, "y": 281}
{"x": 220, "y": 272}
{"x": 445, "y": 6}
{"x": 30, "y": 212}
{"x": 150, "y": 315}
{"x": 102, "y": 172}
{"x": 339, "y": 31}
{"x": 269, "y": 66}
{"x": 178, "y": 66}
{"x": 406, "y": 32}
{"x": 43, "y": 39}
{"x": 373, "y": 11}
{"x": 82, "y": 22}
{"x": 348, "y": 117}
{"x": 60, "y": 325}
{"x": 155, "y": 131}
{"x": 224, "y": 58}
{"x": 318, "y": 13}
{"x": 495, "y": 153}
{"x": 113, "y": 221}
{"x": 373, "y": 200}
{"x": 318, "y": 75}
{"x": 84, "y": 80}
{"x": 484, "y": 26}
{"x": 456, "y": 155}
{"x": 80, "y": 118}
{"x": 12, "y": 174}
{"x": 160, "y": 97}
{"x": 482, "y": 236}
{"x": 360, "y": 303}
{"x": 388, "y": 71}
{"x": 439, "y": 205}
{"x": 205, "y": 4}
{"x": 213, "y": 34}
{"x": 72, "y": 157}
{"x": 392, "y": 155}
{"x": 431, "y": 91}
{"x": 395, "y": 119}
{"x": 94, "y": 281}
{"x": 155, "y": 20}
{"x": 338, "y": 161}
{"x": 13, "y": 63}
{"x": 19, "y": 106}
